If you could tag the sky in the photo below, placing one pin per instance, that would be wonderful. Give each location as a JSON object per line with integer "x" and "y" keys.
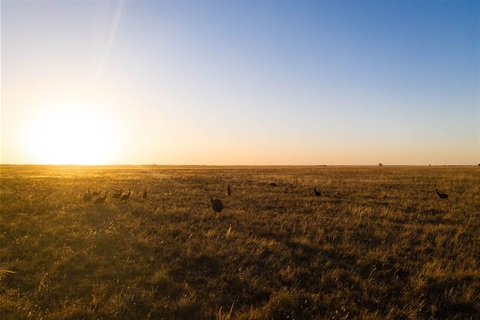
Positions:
{"x": 240, "y": 82}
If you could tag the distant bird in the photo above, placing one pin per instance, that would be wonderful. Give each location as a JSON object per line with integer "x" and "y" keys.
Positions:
{"x": 317, "y": 193}
{"x": 229, "y": 191}
{"x": 217, "y": 205}
{"x": 126, "y": 196}
{"x": 95, "y": 193}
{"x": 117, "y": 195}
{"x": 442, "y": 196}
{"x": 145, "y": 194}
{"x": 87, "y": 196}
{"x": 101, "y": 200}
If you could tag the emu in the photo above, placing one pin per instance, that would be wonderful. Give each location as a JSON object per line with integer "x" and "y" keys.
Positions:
{"x": 145, "y": 194}
{"x": 87, "y": 196}
{"x": 101, "y": 200}
{"x": 126, "y": 196}
{"x": 442, "y": 196}
{"x": 217, "y": 205}
{"x": 317, "y": 193}
{"x": 229, "y": 191}
{"x": 117, "y": 195}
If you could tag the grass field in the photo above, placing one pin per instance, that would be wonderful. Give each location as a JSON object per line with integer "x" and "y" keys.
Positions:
{"x": 377, "y": 244}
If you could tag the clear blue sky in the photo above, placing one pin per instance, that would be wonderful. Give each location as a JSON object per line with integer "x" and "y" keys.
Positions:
{"x": 207, "y": 82}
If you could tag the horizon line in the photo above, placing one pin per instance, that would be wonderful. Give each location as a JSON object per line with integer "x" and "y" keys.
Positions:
{"x": 237, "y": 165}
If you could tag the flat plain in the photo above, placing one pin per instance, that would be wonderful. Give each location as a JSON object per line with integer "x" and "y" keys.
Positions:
{"x": 378, "y": 243}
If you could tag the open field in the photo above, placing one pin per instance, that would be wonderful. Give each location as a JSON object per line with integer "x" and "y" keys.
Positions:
{"x": 377, "y": 244}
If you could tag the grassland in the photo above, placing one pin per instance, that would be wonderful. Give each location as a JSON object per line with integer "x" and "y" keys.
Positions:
{"x": 377, "y": 244}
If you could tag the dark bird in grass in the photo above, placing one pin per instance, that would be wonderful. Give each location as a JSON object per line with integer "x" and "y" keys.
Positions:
{"x": 145, "y": 194}
{"x": 217, "y": 205}
{"x": 442, "y": 196}
{"x": 87, "y": 196}
{"x": 125, "y": 197}
{"x": 95, "y": 193}
{"x": 317, "y": 193}
{"x": 272, "y": 184}
{"x": 101, "y": 200}
{"x": 117, "y": 195}
{"x": 229, "y": 191}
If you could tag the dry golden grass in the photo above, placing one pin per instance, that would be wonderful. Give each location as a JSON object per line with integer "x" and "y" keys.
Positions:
{"x": 377, "y": 244}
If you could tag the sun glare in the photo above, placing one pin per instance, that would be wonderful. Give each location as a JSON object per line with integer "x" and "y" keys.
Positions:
{"x": 72, "y": 134}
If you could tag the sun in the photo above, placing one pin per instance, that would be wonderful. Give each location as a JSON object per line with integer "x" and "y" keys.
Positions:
{"x": 72, "y": 133}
